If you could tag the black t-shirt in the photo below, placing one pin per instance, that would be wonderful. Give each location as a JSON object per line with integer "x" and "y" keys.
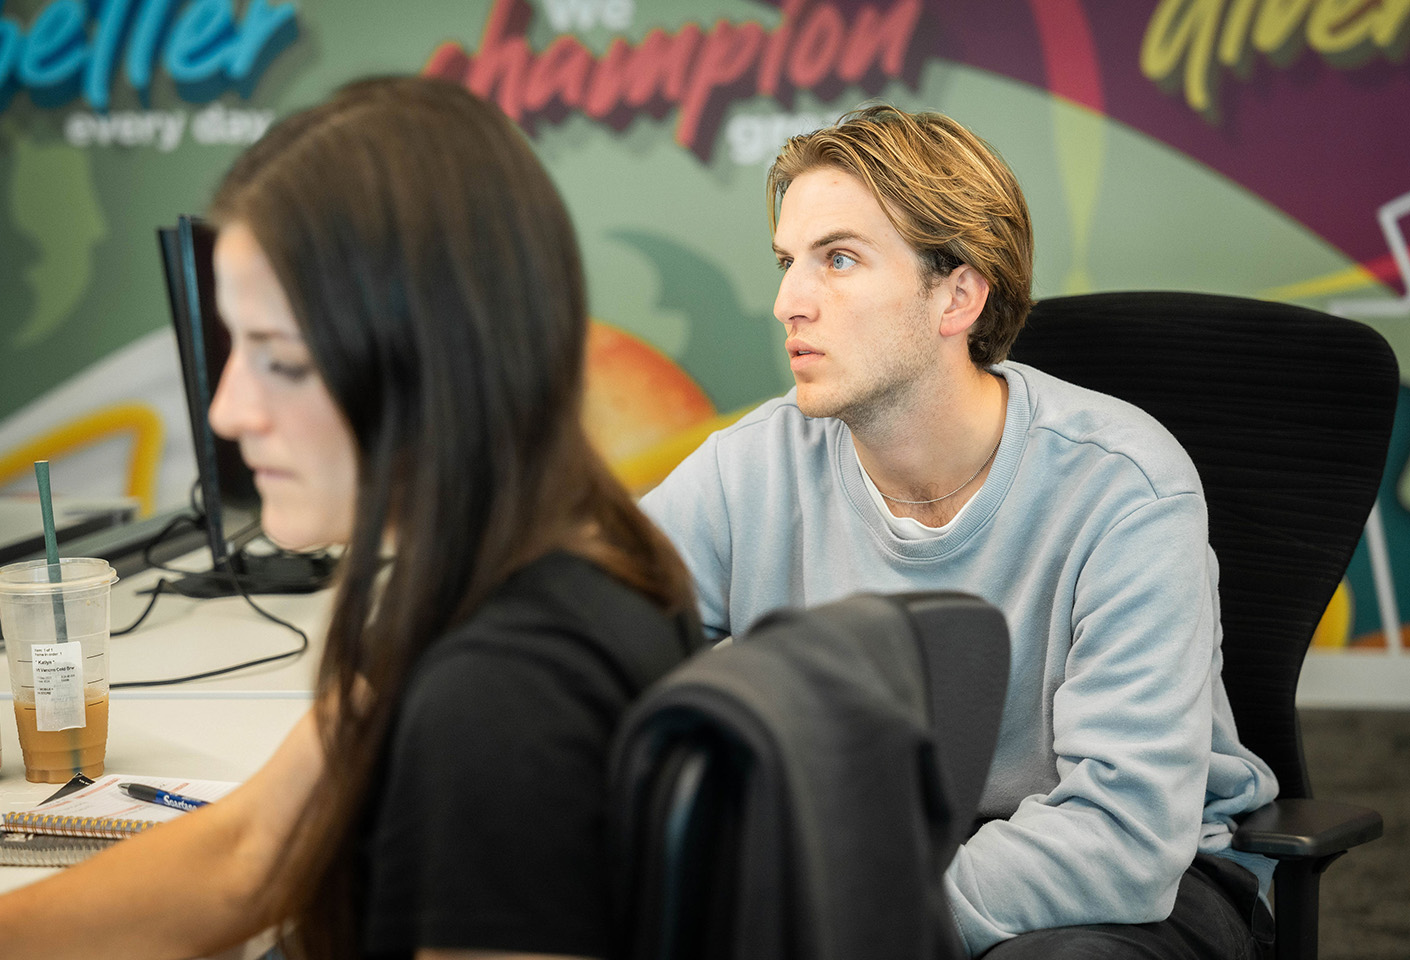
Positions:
{"x": 488, "y": 829}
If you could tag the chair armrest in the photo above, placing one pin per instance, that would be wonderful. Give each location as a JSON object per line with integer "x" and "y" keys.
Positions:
{"x": 1306, "y": 829}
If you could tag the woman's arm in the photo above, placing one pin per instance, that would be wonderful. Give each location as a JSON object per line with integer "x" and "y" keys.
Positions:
{"x": 191, "y": 886}
{"x": 487, "y": 955}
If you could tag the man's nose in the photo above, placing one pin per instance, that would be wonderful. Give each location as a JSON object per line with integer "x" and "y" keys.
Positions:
{"x": 796, "y": 300}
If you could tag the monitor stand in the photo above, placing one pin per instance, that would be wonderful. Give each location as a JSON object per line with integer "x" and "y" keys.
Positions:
{"x": 279, "y": 572}
{"x": 260, "y": 573}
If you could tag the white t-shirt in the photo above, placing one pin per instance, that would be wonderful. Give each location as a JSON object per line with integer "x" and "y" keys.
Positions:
{"x": 906, "y": 528}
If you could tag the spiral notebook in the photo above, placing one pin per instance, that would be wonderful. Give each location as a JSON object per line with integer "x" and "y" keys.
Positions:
{"x": 35, "y": 850}
{"x": 87, "y": 816}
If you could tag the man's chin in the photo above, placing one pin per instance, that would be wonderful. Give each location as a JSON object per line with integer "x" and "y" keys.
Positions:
{"x": 810, "y": 404}
{"x": 858, "y": 415}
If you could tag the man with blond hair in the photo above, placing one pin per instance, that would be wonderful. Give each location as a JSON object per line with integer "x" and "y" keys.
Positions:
{"x": 912, "y": 455}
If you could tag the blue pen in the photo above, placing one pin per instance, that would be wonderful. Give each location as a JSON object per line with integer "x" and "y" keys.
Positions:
{"x": 141, "y": 791}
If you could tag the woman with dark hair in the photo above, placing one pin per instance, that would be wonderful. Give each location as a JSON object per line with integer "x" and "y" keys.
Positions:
{"x": 406, "y": 307}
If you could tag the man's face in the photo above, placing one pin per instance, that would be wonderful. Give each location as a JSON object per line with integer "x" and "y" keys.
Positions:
{"x": 862, "y": 332}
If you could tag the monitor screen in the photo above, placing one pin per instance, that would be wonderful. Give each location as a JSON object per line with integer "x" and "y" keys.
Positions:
{"x": 225, "y": 482}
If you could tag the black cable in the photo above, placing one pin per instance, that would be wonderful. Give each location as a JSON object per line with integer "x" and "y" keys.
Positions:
{"x": 166, "y": 585}
{"x": 195, "y": 519}
{"x": 147, "y": 561}
{"x": 165, "y": 532}
{"x": 195, "y": 522}
{"x": 156, "y": 592}
{"x": 219, "y": 671}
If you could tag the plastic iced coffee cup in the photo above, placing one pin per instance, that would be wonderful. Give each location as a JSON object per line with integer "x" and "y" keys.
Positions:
{"x": 55, "y": 624}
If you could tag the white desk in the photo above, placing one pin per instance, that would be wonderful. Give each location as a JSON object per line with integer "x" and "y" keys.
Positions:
{"x": 222, "y": 728}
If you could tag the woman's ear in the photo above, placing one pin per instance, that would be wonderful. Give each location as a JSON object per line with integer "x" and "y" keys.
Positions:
{"x": 968, "y": 292}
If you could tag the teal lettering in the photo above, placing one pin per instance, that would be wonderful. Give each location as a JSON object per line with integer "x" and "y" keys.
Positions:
{"x": 142, "y": 54}
{"x": 201, "y": 41}
{"x": 11, "y": 41}
{"x": 264, "y": 34}
{"x": 55, "y": 51}
{"x": 75, "y": 47}
{"x": 98, "y": 81}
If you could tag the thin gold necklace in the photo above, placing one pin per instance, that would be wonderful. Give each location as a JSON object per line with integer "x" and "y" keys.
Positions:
{"x": 957, "y": 489}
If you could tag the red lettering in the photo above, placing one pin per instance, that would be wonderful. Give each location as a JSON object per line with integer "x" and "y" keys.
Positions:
{"x": 450, "y": 62}
{"x": 609, "y": 80}
{"x": 502, "y": 60}
{"x": 560, "y": 72}
{"x": 772, "y": 63}
{"x": 873, "y": 32}
{"x": 662, "y": 67}
{"x": 656, "y": 70}
{"x": 728, "y": 52}
{"x": 818, "y": 42}
{"x": 689, "y": 69}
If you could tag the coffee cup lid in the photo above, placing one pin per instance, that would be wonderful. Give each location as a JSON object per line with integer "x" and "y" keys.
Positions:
{"x": 31, "y": 577}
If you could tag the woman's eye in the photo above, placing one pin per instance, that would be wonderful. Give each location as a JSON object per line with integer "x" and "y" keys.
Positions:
{"x": 840, "y": 261}
{"x": 784, "y": 263}
{"x": 291, "y": 371}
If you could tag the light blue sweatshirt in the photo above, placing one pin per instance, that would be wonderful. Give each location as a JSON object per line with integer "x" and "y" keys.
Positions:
{"x": 1117, "y": 758}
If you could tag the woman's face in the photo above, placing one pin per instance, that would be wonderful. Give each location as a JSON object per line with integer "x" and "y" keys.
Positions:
{"x": 273, "y": 402}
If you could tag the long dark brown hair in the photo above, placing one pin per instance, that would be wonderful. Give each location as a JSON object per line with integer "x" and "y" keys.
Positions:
{"x": 435, "y": 274}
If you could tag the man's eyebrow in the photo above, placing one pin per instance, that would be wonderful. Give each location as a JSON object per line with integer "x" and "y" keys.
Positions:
{"x": 838, "y": 236}
{"x": 827, "y": 240}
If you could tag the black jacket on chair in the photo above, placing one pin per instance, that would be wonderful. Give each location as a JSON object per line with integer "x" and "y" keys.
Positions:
{"x": 800, "y": 792}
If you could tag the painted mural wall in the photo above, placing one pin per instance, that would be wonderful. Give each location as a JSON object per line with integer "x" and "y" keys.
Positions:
{"x": 1251, "y": 147}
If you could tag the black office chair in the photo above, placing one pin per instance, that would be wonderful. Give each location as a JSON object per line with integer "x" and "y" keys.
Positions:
{"x": 1287, "y": 414}
{"x": 800, "y": 792}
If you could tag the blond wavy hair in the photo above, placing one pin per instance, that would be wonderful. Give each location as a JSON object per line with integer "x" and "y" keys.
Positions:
{"x": 947, "y": 192}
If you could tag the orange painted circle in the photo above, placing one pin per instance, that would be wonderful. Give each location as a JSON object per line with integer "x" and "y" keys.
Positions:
{"x": 635, "y": 396}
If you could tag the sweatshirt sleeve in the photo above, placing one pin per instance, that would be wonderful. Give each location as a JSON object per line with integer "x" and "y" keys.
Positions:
{"x": 1132, "y": 721}
{"x": 689, "y": 506}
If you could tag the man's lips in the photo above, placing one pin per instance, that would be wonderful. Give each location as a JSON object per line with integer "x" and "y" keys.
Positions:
{"x": 801, "y": 355}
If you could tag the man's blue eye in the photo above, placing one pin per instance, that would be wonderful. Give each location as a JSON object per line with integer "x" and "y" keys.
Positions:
{"x": 841, "y": 260}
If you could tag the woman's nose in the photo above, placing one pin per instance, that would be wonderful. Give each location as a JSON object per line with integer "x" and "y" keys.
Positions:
{"x": 237, "y": 407}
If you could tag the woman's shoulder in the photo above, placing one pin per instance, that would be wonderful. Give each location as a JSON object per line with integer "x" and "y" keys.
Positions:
{"x": 562, "y": 612}
{"x": 496, "y": 768}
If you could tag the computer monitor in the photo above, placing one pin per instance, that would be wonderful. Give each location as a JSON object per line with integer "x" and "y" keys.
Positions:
{"x": 226, "y": 485}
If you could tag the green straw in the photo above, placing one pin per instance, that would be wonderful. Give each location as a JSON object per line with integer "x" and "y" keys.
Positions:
{"x": 56, "y": 575}
{"x": 51, "y": 547}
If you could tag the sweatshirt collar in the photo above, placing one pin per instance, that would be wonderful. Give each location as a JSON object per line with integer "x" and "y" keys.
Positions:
{"x": 981, "y": 507}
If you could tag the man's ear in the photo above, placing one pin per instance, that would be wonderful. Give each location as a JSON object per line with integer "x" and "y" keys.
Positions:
{"x": 969, "y": 291}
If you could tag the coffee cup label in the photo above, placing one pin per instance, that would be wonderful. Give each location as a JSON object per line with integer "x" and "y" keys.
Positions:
{"x": 58, "y": 686}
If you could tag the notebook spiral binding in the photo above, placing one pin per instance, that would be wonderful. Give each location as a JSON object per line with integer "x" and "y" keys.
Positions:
{"x": 98, "y": 828}
{"x": 33, "y": 850}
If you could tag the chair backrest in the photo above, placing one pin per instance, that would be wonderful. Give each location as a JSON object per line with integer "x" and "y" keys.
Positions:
{"x": 800, "y": 792}
{"x": 1287, "y": 414}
